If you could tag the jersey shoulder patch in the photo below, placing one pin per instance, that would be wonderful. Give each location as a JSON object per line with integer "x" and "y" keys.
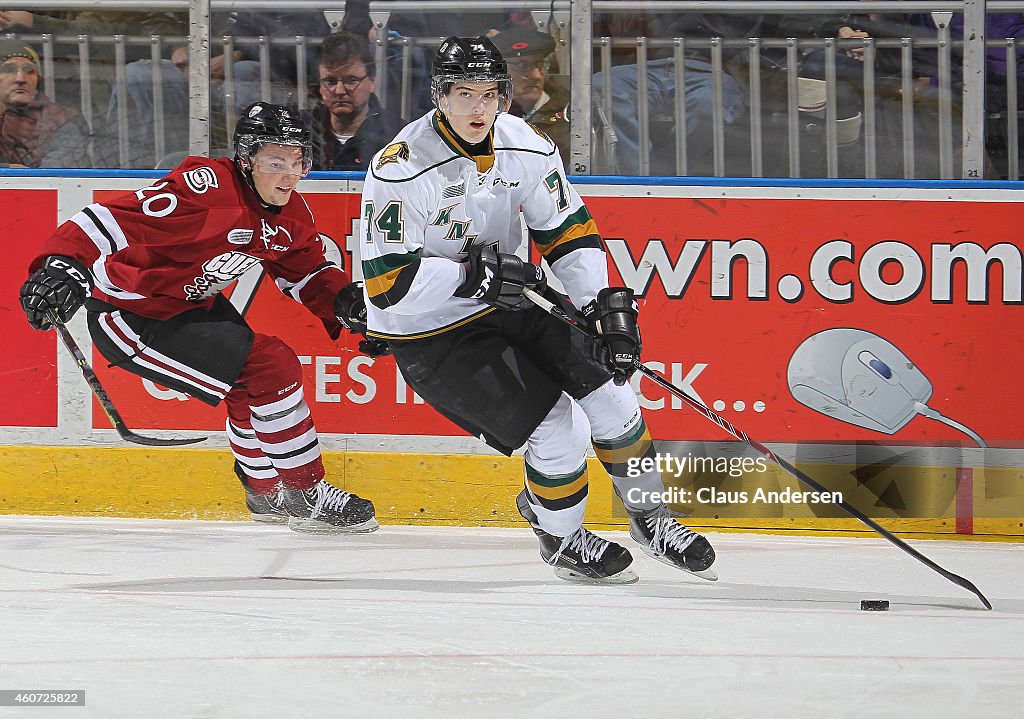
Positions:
{"x": 205, "y": 181}
{"x": 540, "y": 132}
{"x": 395, "y": 152}
{"x": 201, "y": 179}
{"x": 415, "y": 150}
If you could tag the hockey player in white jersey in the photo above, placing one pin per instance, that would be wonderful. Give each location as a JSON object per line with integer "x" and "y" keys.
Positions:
{"x": 440, "y": 221}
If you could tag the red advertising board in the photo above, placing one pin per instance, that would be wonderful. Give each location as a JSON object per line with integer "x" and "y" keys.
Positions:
{"x": 732, "y": 287}
{"x": 28, "y": 364}
{"x": 732, "y": 291}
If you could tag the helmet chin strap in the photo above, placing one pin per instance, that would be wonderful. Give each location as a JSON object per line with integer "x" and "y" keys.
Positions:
{"x": 251, "y": 182}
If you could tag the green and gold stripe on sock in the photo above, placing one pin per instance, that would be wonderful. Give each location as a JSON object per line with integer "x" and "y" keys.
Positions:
{"x": 559, "y": 491}
{"x": 614, "y": 454}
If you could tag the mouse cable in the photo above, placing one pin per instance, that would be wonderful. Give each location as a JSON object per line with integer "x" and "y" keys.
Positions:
{"x": 926, "y": 411}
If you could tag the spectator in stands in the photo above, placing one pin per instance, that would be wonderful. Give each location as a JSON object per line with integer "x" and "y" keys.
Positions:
{"x": 247, "y": 85}
{"x": 429, "y": 24}
{"x": 889, "y": 114}
{"x": 349, "y": 125}
{"x": 997, "y": 26}
{"x": 535, "y": 97}
{"x": 661, "y": 83}
{"x": 65, "y": 84}
{"x": 35, "y": 132}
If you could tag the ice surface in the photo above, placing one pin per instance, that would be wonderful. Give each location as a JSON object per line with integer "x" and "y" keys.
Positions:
{"x": 217, "y": 619}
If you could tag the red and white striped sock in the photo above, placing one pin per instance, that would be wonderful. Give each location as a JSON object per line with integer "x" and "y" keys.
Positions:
{"x": 286, "y": 435}
{"x": 255, "y": 464}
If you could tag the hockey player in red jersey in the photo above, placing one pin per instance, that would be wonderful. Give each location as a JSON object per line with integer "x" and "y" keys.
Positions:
{"x": 150, "y": 266}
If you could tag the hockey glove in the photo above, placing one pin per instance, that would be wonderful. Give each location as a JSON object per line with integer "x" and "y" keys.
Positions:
{"x": 61, "y": 285}
{"x": 617, "y": 344}
{"x": 499, "y": 279}
{"x": 350, "y": 309}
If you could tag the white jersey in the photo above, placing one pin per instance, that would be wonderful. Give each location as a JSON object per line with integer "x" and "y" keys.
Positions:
{"x": 425, "y": 201}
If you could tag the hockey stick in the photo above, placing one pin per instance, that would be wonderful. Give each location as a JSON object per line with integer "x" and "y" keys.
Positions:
{"x": 101, "y": 394}
{"x": 581, "y": 325}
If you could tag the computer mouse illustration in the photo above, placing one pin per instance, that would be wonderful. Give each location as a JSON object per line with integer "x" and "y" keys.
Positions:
{"x": 863, "y": 379}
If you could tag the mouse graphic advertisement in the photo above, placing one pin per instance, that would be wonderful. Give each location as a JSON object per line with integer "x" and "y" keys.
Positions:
{"x": 860, "y": 378}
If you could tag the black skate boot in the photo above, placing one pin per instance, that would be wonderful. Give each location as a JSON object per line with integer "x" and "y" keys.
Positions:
{"x": 662, "y": 537}
{"x": 267, "y": 508}
{"x": 325, "y": 509}
{"x": 582, "y": 556}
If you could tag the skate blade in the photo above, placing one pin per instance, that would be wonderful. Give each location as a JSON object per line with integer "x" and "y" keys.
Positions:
{"x": 269, "y": 518}
{"x": 626, "y": 576}
{"x": 709, "y": 574}
{"x": 313, "y": 526}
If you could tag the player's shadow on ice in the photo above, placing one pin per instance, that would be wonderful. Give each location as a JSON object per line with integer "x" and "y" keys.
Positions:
{"x": 189, "y": 585}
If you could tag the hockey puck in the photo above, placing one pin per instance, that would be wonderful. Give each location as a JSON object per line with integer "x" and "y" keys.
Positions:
{"x": 874, "y": 605}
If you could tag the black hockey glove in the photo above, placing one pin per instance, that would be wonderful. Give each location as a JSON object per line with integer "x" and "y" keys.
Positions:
{"x": 617, "y": 343}
{"x": 61, "y": 285}
{"x": 350, "y": 309}
{"x": 499, "y": 279}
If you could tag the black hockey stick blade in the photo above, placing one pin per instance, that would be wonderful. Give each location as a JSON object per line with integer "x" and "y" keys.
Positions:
{"x": 104, "y": 399}
{"x": 582, "y": 326}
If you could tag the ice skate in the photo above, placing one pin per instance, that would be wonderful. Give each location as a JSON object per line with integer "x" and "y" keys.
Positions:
{"x": 267, "y": 508}
{"x": 325, "y": 509}
{"x": 582, "y": 556}
{"x": 662, "y": 537}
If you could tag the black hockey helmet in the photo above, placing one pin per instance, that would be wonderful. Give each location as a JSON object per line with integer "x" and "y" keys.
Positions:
{"x": 262, "y": 123}
{"x": 469, "y": 59}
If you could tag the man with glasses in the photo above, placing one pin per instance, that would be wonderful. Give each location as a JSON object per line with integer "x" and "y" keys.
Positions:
{"x": 350, "y": 125}
{"x": 536, "y": 98}
{"x": 442, "y": 217}
{"x": 150, "y": 266}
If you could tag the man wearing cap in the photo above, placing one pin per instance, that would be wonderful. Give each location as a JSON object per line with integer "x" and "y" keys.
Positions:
{"x": 535, "y": 98}
{"x": 34, "y": 131}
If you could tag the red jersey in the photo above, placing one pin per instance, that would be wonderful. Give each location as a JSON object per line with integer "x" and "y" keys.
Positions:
{"x": 175, "y": 245}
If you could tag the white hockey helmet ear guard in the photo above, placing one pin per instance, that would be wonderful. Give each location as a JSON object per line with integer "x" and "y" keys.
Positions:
{"x": 469, "y": 59}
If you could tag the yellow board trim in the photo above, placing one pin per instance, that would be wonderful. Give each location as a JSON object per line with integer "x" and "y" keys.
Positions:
{"x": 422, "y": 489}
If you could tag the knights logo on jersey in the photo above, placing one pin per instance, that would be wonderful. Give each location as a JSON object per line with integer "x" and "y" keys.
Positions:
{"x": 276, "y": 238}
{"x": 200, "y": 179}
{"x": 395, "y": 152}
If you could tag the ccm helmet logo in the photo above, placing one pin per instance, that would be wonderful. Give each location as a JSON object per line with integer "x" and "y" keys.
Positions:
{"x": 478, "y": 64}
